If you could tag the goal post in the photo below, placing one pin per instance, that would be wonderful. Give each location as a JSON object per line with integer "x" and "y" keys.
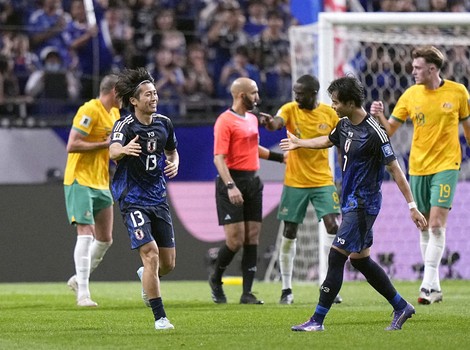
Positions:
{"x": 376, "y": 48}
{"x": 331, "y": 23}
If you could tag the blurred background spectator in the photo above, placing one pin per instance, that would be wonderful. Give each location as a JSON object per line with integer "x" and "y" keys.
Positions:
{"x": 46, "y": 26}
{"x": 53, "y": 85}
{"x": 91, "y": 47}
{"x": 225, "y": 35}
{"x": 198, "y": 85}
{"x": 256, "y": 18}
{"x": 194, "y": 48}
{"x": 271, "y": 53}
{"x": 169, "y": 81}
{"x": 238, "y": 66}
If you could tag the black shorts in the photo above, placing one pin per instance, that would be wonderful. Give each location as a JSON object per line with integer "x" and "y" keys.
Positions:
{"x": 251, "y": 187}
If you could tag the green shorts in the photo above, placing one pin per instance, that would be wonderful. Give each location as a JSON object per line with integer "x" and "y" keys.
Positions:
{"x": 294, "y": 202}
{"x": 436, "y": 190}
{"x": 83, "y": 203}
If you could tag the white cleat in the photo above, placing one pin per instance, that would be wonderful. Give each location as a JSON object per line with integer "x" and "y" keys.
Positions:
{"x": 72, "y": 284}
{"x": 163, "y": 323}
{"x": 86, "y": 302}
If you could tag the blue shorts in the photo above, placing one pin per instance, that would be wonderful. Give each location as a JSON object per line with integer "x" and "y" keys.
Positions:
{"x": 355, "y": 232}
{"x": 149, "y": 224}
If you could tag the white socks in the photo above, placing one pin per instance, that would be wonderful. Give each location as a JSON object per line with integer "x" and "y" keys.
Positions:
{"x": 432, "y": 258}
{"x": 81, "y": 257}
{"x": 98, "y": 250}
{"x": 286, "y": 261}
{"x": 423, "y": 242}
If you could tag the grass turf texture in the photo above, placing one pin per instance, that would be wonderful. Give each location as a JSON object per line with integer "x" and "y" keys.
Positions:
{"x": 44, "y": 316}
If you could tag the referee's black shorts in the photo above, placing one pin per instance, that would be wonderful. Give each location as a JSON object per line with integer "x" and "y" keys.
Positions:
{"x": 251, "y": 187}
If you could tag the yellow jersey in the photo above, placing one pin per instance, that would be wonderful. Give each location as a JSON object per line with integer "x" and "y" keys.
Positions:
{"x": 308, "y": 167}
{"x": 91, "y": 168}
{"x": 435, "y": 115}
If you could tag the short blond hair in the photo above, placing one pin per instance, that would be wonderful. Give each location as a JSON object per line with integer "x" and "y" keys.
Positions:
{"x": 430, "y": 55}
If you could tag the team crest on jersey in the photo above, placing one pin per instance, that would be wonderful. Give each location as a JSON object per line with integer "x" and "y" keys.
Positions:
{"x": 387, "y": 150}
{"x": 139, "y": 234}
{"x": 86, "y": 121}
{"x": 117, "y": 136}
{"x": 447, "y": 105}
{"x": 151, "y": 145}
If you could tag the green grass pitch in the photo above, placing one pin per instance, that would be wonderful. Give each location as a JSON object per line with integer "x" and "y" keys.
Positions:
{"x": 44, "y": 316}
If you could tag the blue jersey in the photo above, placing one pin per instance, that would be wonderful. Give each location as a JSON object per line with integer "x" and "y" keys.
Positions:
{"x": 140, "y": 180}
{"x": 365, "y": 150}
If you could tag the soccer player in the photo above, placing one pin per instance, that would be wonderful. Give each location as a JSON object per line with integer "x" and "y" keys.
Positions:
{"x": 144, "y": 145}
{"x": 239, "y": 191}
{"x": 308, "y": 177}
{"x": 435, "y": 106}
{"x": 365, "y": 150}
{"x": 86, "y": 184}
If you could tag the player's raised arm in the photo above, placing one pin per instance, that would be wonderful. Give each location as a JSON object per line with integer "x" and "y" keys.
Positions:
{"x": 293, "y": 142}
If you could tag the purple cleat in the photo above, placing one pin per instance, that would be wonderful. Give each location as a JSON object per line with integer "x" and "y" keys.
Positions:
{"x": 310, "y": 326}
{"x": 400, "y": 317}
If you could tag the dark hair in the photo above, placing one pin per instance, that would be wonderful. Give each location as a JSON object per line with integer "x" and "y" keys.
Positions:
{"x": 128, "y": 84}
{"x": 430, "y": 55}
{"x": 347, "y": 89}
{"x": 309, "y": 82}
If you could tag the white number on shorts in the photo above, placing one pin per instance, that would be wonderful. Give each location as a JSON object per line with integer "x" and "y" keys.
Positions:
{"x": 137, "y": 218}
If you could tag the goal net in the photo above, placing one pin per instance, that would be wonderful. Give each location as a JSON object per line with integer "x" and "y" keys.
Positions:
{"x": 375, "y": 48}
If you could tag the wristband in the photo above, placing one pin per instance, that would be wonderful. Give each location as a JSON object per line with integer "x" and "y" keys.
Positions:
{"x": 277, "y": 157}
{"x": 412, "y": 205}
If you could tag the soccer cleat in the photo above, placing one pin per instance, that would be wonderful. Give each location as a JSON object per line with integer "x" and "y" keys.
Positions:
{"x": 287, "y": 297}
{"x": 163, "y": 323}
{"x": 249, "y": 298}
{"x": 400, "y": 317}
{"x": 424, "y": 297}
{"x": 145, "y": 298}
{"x": 218, "y": 295}
{"x": 436, "y": 296}
{"x": 72, "y": 283}
{"x": 338, "y": 299}
{"x": 427, "y": 296}
{"x": 86, "y": 302}
{"x": 310, "y": 326}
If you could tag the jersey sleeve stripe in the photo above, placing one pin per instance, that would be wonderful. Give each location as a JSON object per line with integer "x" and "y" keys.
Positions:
{"x": 121, "y": 124}
{"x": 375, "y": 125}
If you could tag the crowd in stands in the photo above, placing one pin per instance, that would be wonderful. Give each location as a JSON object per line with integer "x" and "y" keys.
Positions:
{"x": 53, "y": 50}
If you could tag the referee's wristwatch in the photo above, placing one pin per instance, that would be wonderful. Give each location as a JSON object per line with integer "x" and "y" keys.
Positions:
{"x": 230, "y": 185}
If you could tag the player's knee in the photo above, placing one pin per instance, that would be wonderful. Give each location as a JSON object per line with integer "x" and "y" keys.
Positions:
{"x": 332, "y": 229}
{"x": 166, "y": 267}
{"x": 331, "y": 222}
{"x": 290, "y": 230}
{"x": 359, "y": 264}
